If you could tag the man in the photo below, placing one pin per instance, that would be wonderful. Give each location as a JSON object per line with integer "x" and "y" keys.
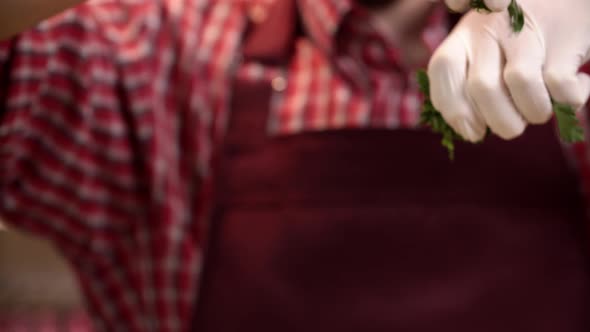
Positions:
{"x": 272, "y": 141}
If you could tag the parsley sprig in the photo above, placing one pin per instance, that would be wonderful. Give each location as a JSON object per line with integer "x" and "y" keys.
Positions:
{"x": 433, "y": 119}
{"x": 570, "y": 129}
{"x": 514, "y": 10}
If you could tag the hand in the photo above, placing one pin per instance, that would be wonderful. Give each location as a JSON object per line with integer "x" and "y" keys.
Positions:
{"x": 485, "y": 75}
{"x": 461, "y": 6}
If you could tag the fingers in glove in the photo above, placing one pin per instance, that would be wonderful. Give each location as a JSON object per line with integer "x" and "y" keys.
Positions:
{"x": 461, "y": 6}
{"x": 563, "y": 79}
{"x": 523, "y": 75}
{"x": 458, "y": 6}
{"x": 497, "y": 5}
{"x": 486, "y": 87}
{"x": 448, "y": 73}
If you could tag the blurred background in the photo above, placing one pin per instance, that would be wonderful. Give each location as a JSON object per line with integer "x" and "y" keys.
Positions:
{"x": 38, "y": 291}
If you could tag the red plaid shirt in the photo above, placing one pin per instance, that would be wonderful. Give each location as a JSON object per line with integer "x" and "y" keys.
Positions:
{"x": 112, "y": 114}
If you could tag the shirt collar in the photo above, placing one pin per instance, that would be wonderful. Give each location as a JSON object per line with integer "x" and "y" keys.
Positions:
{"x": 323, "y": 18}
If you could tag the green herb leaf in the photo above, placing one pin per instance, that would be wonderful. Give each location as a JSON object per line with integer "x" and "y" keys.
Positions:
{"x": 516, "y": 16}
{"x": 432, "y": 118}
{"x": 514, "y": 10}
{"x": 570, "y": 129}
{"x": 479, "y": 5}
{"x": 423, "y": 83}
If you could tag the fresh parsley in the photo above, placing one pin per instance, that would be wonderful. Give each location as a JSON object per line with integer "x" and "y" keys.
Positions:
{"x": 570, "y": 129}
{"x": 514, "y": 10}
{"x": 432, "y": 118}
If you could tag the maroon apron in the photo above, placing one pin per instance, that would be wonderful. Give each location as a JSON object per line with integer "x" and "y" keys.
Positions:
{"x": 376, "y": 230}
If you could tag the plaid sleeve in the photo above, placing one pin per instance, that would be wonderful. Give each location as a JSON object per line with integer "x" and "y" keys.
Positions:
{"x": 65, "y": 160}
{"x": 90, "y": 156}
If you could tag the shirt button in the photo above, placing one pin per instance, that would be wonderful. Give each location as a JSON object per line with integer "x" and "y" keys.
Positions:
{"x": 258, "y": 13}
{"x": 279, "y": 84}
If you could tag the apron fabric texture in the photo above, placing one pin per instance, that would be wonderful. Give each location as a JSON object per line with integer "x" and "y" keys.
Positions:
{"x": 376, "y": 230}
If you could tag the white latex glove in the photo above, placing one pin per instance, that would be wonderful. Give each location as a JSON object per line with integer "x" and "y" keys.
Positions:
{"x": 485, "y": 75}
{"x": 463, "y": 5}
